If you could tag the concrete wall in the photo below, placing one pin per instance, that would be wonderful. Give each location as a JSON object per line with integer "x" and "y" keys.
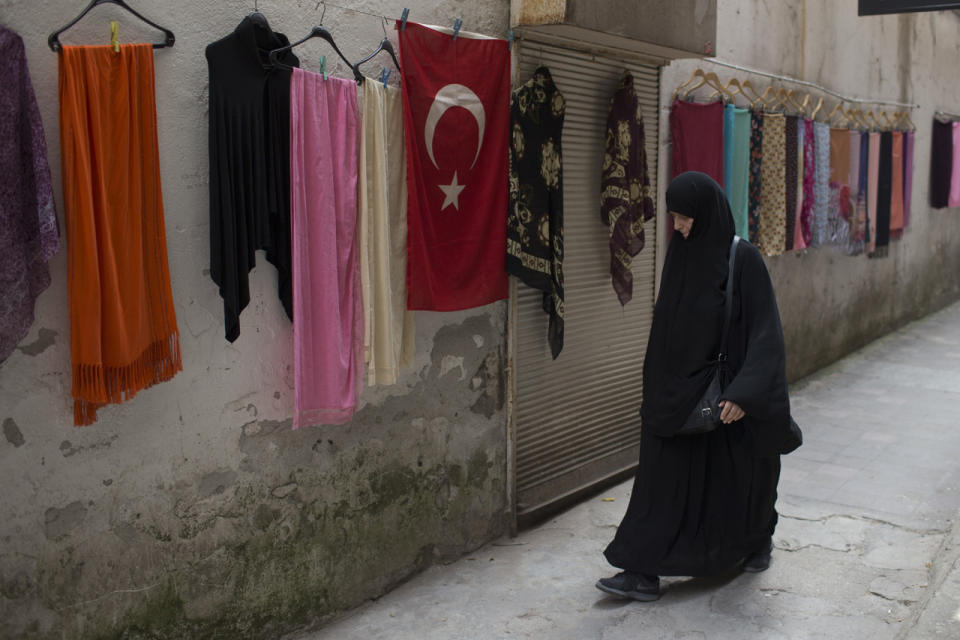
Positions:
{"x": 195, "y": 510}
{"x": 831, "y": 303}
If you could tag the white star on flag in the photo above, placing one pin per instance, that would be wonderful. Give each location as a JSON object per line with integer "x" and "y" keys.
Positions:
{"x": 452, "y": 193}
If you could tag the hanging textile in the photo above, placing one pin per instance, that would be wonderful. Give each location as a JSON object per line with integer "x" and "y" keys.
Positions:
{"x": 839, "y": 209}
{"x": 123, "y": 327}
{"x": 884, "y": 188}
{"x": 457, "y": 180}
{"x": 797, "y": 207}
{"x": 328, "y": 320}
{"x": 756, "y": 175}
{"x": 771, "y": 236}
{"x": 740, "y": 171}
{"x": 954, "y": 199}
{"x": 28, "y": 220}
{"x": 388, "y": 338}
{"x": 809, "y": 167}
{"x": 249, "y": 137}
{"x": 863, "y": 187}
{"x": 855, "y": 235}
{"x": 873, "y": 184}
{"x": 821, "y": 182}
{"x": 626, "y": 201}
{"x": 728, "y": 124}
{"x": 941, "y": 164}
{"x": 697, "y": 133}
{"x": 907, "y": 176}
{"x": 535, "y": 213}
{"x": 896, "y": 190}
{"x": 790, "y": 178}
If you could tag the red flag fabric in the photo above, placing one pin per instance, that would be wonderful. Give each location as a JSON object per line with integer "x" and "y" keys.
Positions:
{"x": 456, "y": 118}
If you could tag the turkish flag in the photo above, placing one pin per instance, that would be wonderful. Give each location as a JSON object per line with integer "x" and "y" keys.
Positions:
{"x": 456, "y": 118}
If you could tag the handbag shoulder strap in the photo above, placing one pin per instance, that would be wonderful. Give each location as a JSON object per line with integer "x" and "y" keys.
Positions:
{"x": 722, "y": 357}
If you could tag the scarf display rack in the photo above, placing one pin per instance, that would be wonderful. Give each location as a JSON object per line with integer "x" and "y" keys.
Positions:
{"x": 780, "y": 99}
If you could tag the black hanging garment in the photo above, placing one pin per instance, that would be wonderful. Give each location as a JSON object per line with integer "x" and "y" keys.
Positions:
{"x": 941, "y": 164}
{"x": 535, "y": 216}
{"x": 884, "y": 192}
{"x": 249, "y": 164}
{"x": 701, "y": 503}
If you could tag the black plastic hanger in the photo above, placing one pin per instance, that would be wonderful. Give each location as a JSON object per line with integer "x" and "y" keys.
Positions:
{"x": 318, "y": 31}
{"x": 257, "y": 18}
{"x": 385, "y": 45}
{"x": 54, "y": 39}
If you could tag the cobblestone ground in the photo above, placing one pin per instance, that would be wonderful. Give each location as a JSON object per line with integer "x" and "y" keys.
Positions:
{"x": 868, "y": 544}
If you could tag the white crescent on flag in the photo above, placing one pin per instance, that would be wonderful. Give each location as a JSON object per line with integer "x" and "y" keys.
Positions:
{"x": 454, "y": 95}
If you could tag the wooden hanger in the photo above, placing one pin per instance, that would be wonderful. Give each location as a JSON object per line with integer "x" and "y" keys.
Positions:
{"x": 732, "y": 89}
{"x": 751, "y": 97}
{"x": 816, "y": 109}
{"x": 709, "y": 79}
{"x": 833, "y": 113}
{"x": 698, "y": 73}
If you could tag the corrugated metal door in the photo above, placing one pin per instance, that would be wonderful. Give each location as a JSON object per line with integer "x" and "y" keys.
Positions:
{"x": 575, "y": 418}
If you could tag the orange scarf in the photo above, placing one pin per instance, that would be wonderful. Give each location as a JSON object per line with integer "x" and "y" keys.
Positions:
{"x": 123, "y": 327}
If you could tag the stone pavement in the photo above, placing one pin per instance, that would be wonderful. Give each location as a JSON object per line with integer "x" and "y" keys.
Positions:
{"x": 868, "y": 544}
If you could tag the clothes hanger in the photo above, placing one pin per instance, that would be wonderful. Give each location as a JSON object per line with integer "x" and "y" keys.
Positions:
{"x": 698, "y": 73}
{"x": 711, "y": 80}
{"x": 753, "y": 95}
{"x": 833, "y": 113}
{"x": 257, "y": 18}
{"x": 385, "y": 45}
{"x": 54, "y": 39}
{"x": 318, "y": 31}
{"x": 731, "y": 92}
{"x": 816, "y": 109}
{"x": 768, "y": 98}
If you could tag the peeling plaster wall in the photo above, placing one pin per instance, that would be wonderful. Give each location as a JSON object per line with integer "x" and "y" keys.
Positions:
{"x": 831, "y": 303}
{"x": 194, "y": 510}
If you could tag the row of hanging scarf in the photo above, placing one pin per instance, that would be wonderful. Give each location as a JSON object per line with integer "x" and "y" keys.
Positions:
{"x": 795, "y": 183}
{"x": 371, "y": 202}
{"x": 945, "y": 164}
{"x": 535, "y": 214}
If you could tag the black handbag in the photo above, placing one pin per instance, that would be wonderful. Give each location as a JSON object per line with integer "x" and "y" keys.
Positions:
{"x": 705, "y": 417}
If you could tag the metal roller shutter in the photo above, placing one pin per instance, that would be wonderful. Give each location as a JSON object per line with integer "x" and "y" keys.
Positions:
{"x": 575, "y": 419}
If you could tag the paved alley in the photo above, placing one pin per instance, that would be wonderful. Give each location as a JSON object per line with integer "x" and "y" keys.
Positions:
{"x": 867, "y": 546}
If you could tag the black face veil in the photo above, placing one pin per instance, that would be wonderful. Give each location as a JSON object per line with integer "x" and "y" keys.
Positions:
{"x": 688, "y": 316}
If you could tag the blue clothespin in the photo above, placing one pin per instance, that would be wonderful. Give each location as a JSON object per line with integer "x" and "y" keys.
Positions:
{"x": 385, "y": 75}
{"x": 457, "y": 23}
{"x": 403, "y": 18}
{"x": 323, "y": 66}
{"x": 510, "y": 40}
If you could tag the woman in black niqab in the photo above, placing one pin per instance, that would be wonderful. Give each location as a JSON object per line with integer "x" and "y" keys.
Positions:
{"x": 703, "y": 504}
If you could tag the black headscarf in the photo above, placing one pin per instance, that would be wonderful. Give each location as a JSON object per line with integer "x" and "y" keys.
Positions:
{"x": 688, "y": 316}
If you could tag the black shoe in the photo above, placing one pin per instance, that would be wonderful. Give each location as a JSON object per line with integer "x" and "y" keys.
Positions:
{"x": 759, "y": 560}
{"x": 627, "y": 584}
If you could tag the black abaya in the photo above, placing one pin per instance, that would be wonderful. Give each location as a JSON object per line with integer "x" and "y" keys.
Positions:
{"x": 701, "y": 503}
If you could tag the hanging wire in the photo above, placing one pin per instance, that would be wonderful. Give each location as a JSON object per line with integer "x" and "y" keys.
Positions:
{"x": 946, "y": 114}
{"x": 812, "y": 84}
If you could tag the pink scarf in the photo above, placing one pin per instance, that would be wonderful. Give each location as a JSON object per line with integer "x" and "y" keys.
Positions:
{"x": 327, "y": 314}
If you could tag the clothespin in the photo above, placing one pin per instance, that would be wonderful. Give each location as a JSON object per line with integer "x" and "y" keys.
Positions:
{"x": 510, "y": 40}
{"x": 403, "y": 18}
{"x": 457, "y": 23}
{"x": 115, "y": 36}
{"x": 385, "y": 75}
{"x": 323, "y": 66}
